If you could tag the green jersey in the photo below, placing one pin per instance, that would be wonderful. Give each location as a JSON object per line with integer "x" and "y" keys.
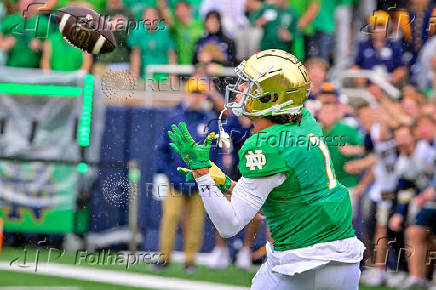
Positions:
{"x": 325, "y": 20}
{"x": 24, "y": 30}
{"x": 154, "y": 45}
{"x": 310, "y": 206}
{"x": 185, "y": 38}
{"x": 347, "y": 135}
{"x": 59, "y": 49}
{"x": 277, "y": 18}
{"x": 301, "y": 7}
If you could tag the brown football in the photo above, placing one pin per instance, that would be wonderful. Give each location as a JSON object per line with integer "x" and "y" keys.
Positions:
{"x": 85, "y": 29}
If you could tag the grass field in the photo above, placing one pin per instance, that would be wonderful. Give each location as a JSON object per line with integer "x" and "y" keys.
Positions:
{"x": 25, "y": 280}
{"x": 227, "y": 277}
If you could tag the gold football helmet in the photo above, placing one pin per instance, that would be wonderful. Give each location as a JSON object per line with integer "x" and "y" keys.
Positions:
{"x": 276, "y": 83}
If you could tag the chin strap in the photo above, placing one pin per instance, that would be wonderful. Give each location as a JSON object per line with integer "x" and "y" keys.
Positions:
{"x": 223, "y": 137}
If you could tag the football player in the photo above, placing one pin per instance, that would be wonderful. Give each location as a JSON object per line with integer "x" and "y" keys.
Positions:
{"x": 287, "y": 173}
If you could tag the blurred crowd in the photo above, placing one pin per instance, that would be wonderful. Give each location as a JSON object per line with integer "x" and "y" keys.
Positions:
{"x": 387, "y": 150}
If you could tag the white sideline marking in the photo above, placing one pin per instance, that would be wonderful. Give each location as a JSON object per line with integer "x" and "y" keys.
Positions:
{"x": 119, "y": 278}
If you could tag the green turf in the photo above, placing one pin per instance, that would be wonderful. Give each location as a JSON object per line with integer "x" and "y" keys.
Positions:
{"x": 10, "y": 278}
{"x": 230, "y": 276}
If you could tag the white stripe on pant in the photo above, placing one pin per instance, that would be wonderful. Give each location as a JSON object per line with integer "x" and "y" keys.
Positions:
{"x": 332, "y": 276}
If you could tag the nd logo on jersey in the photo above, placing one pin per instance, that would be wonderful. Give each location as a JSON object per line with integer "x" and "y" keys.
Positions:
{"x": 256, "y": 159}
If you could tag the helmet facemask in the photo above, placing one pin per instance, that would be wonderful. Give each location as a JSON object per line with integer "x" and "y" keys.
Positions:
{"x": 253, "y": 90}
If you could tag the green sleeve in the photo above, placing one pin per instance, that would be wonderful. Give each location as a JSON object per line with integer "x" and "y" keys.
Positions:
{"x": 297, "y": 39}
{"x": 298, "y": 47}
{"x": 170, "y": 42}
{"x": 355, "y": 137}
{"x": 132, "y": 40}
{"x": 259, "y": 161}
{"x": 344, "y": 2}
{"x": 5, "y": 25}
{"x": 42, "y": 27}
{"x": 256, "y": 14}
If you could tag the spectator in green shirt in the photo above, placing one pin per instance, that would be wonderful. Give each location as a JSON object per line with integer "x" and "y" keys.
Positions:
{"x": 138, "y": 6}
{"x": 97, "y": 5}
{"x": 344, "y": 144}
{"x": 184, "y": 28}
{"x": 120, "y": 18}
{"x": 308, "y": 9}
{"x": 151, "y": 43}
{"x": 194, "y": 4}
{"x": 279, "y": 23}
{"x": 325, "y": 26}
{"x": 21, "y": 37}
{"x": 55, "y": 50}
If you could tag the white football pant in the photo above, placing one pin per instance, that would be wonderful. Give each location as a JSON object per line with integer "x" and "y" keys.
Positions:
{"x": 332, "y": 276}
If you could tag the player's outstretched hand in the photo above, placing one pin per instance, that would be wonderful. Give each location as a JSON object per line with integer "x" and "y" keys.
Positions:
{"x": 196, "y": 156}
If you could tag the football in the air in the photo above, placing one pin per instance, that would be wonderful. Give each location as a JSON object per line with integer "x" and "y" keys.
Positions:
{"x": 85, "y": 29}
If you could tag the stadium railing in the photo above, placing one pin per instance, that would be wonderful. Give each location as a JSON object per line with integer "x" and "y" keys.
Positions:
{"x": 340, "y": 80}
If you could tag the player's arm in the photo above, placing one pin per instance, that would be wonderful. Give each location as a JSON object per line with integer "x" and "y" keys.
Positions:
{"x": 7, "y": 42}
{"x": 248, "y": 196}
{"x": 165, "y": 12}
{"x": 310, "y": 15}
{"x": 135, "y": 62}
{"x": 86, "y": 62}
{"x": 46, "y": 55}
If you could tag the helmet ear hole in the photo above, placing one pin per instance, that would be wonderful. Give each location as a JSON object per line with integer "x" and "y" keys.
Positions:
{"x": 265, "y": 99}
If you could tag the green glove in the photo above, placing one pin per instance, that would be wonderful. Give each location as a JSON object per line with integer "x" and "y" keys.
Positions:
{"x": 222, "y": 181}
{"x": 187, "y": 172}
{"x": 196, "y": 156}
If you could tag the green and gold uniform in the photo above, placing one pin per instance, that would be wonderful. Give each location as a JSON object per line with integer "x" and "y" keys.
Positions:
{"x": 310, "y": 207}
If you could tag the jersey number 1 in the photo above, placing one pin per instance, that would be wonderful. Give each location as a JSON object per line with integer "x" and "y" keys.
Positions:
{"x": 324, "y": 150}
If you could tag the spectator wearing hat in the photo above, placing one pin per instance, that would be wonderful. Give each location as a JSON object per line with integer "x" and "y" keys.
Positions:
{"x": 328, "y": 94}
{"x": 379, "y": 53}
{"x": 178, "y": 195}
{"x": 417, "y": 25}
